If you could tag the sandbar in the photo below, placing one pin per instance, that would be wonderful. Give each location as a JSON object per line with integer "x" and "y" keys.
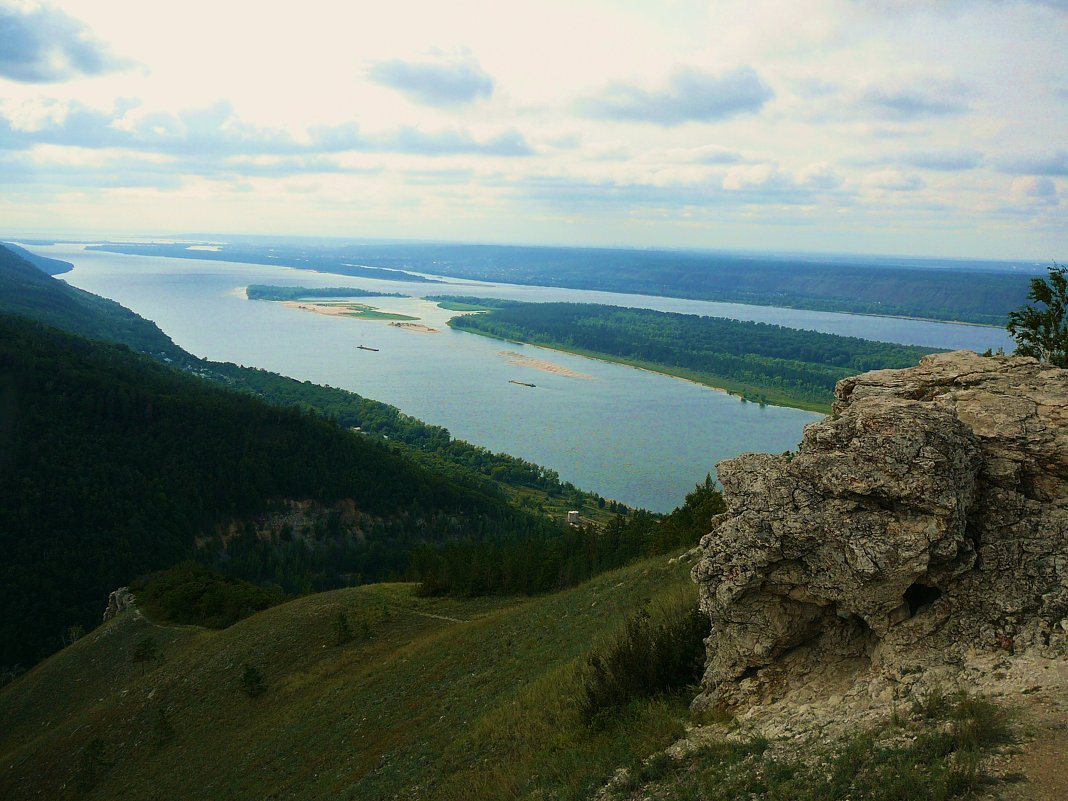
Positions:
{"x": 417, "y": 327}
{"x": 545, "y": 366}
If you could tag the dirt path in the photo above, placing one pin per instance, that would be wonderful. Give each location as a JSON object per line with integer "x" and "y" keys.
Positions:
{"x": 1036, "y": 767}
{"x": 428, "y": 614}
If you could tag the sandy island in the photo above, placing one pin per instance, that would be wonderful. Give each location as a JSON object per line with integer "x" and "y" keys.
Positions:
{"x": 520, "y": 360}
{"x": 418, "y": 327}
{"x": 354, "y": 311}
{"x": 319, "y": 308}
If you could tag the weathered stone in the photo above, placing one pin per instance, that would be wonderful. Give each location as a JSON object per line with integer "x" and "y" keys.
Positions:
{"x": 928, "y": 516}
{"x": 119, "y": 601}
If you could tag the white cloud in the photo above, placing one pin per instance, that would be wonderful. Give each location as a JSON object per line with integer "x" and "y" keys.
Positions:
{"x": 688, "y": 95}
{"x": 40, "y": 44}
{"x": 820, "y": 175}
{"x": 751, "y": 175}
{"x": 435, "y": 82}
{"x": 1035, "y": 189}
{"x": 894, "y": 180}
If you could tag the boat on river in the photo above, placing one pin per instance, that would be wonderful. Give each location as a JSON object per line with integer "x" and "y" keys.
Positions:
{"x": 364, "y": 347}
{"x": 520, "y": 383}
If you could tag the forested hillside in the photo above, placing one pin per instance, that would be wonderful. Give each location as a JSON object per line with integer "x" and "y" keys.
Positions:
{"x": 27, "y": 291}
{"x": 43, "y": 263}
{"x": 114, "y": 464}
{"x": 757, "y": 360}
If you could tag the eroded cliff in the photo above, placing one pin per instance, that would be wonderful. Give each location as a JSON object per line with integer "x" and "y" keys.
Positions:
{"x": 920, "y": 527}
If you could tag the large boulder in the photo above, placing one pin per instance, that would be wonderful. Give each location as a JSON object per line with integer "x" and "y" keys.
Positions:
{"x": 926, "y": 519}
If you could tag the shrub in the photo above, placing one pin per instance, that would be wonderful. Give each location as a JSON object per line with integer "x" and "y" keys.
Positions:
{"x": 650, "y": 657}
{"x": 193, "y": 594}
{"x": 252, "y": 682}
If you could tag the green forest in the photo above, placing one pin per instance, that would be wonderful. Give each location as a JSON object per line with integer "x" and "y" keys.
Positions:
{"x": 114, "y": 464}
{"x": 760, "y": 362}
{"x": 140, "y": 465}
{"x": 27, "y": 291}
{"x": 543, "y": 563}
{"x": 271, "y": 292}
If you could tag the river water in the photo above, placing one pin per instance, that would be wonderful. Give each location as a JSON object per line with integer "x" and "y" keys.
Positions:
{"x": 639, "y": 437}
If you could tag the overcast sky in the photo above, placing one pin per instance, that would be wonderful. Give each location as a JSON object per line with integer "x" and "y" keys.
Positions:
{"x": 927, "y": 127}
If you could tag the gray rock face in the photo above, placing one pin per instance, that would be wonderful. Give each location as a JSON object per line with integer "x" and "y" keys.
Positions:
{"x": 925, "y": 520}
{"x": 119, "y": 601}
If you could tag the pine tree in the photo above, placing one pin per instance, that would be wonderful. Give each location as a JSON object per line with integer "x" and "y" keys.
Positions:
{"x": 1043, "y": 333}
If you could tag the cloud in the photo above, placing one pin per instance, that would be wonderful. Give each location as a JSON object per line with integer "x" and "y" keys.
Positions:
{"x": 894, "y": 180}
{"x": 1051, "y": 164}
{"x": 208, "y": 132}
{"x": 944, "y": 160}
{"x": 689, "y": 96}
{"x": 1035, "y": 189}
{"x": 453, "y": 82}
{"x": 924, "y": 99}
{"x": 752, "y": 175}
{"x": 447, "y": 143}
{"x": 819, "y": 176}
{"x": 735, "y": 189}
{"x": 45, "y": 45}
{"x": 217, "y": 132}
{"x": 713, "y": 154}
{"x": 1056, "y": 5}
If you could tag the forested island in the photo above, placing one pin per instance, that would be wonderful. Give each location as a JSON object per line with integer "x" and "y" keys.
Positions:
{"x": 270, "y": 292}
{"x": 758, "y": 361}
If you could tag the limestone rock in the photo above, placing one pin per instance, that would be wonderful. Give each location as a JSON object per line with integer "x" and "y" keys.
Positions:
{"x": 119, "y": 601}
{"x": 925, "y": 519}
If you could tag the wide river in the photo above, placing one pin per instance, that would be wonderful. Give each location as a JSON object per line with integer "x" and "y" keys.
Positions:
{"x": 639, "y": 437}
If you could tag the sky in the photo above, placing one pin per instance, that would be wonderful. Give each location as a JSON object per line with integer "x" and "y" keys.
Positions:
{"x": 920, "y": 127}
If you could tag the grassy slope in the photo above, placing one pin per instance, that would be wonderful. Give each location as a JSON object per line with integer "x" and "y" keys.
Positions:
{"x": 427, "y": 708}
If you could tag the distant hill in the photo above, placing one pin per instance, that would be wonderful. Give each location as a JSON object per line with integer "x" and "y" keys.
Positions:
{"x": 977, "y": 292}
{"x": 43, "y": 263}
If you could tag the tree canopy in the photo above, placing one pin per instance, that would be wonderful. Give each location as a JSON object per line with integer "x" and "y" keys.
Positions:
{"x": 1043, "y": 332}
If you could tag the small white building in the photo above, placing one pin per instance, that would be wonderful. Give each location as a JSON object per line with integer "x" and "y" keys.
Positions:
{"x": 573, "y": 518}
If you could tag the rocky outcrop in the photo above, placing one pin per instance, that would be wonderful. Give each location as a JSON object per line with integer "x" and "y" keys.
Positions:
{"x": 119, "y": 601}
{"x": 923, "y": 523}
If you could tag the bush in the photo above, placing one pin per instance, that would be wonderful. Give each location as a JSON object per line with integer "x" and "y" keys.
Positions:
{"x": 190, "y": 593}
{"x": 252, "y": 682}
{"x": 649, "y": 658}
